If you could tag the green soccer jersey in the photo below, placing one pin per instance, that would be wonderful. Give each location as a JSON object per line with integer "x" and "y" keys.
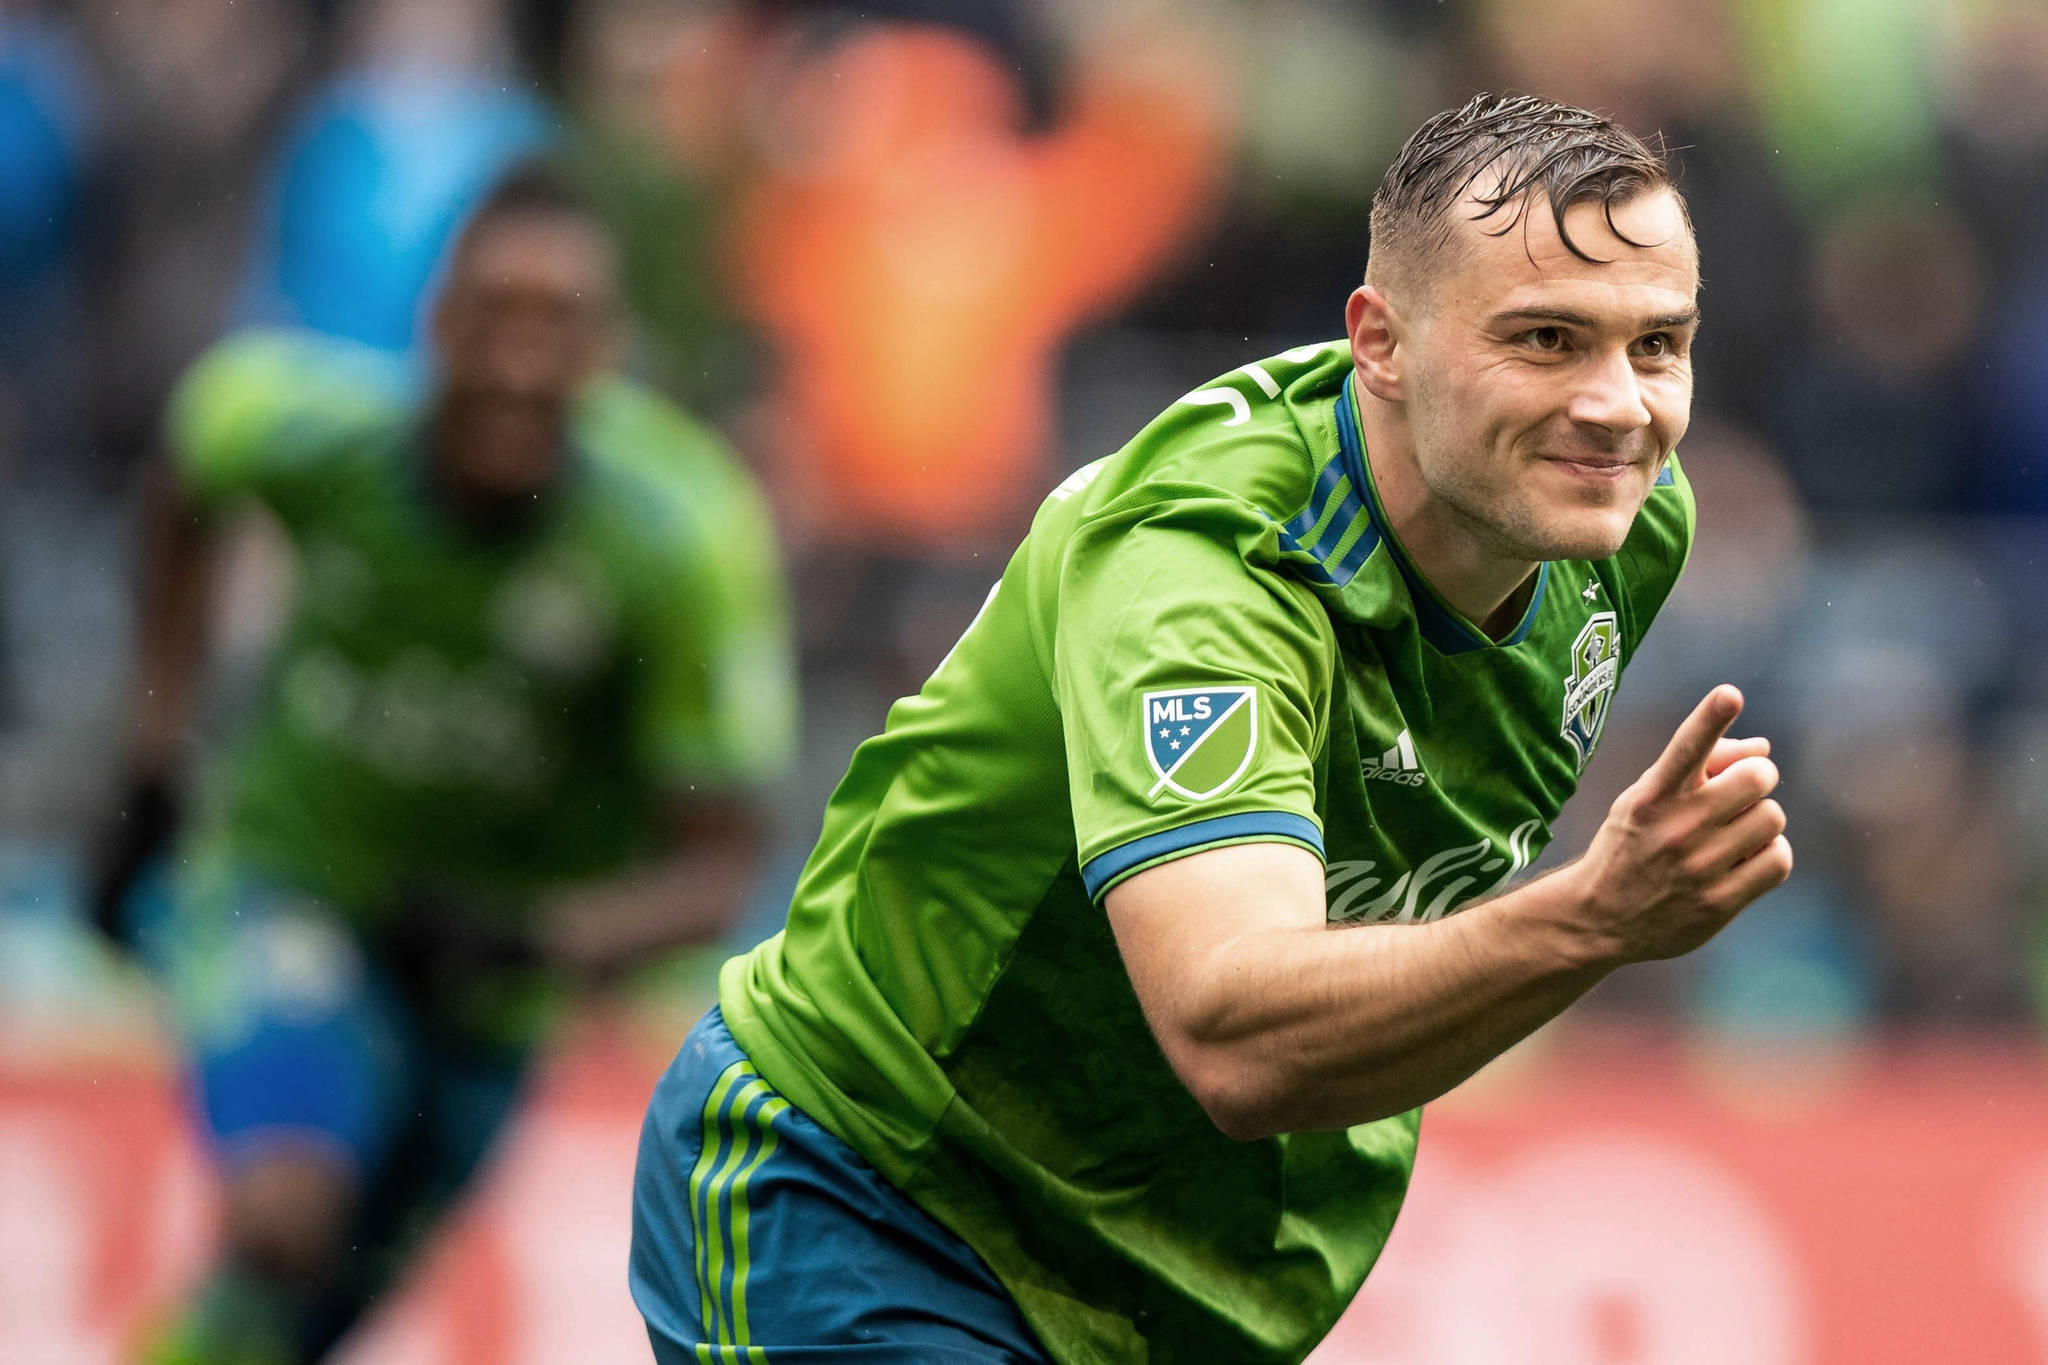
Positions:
{"x": 490, "y": 714}
{"x": 1209, "y": 638}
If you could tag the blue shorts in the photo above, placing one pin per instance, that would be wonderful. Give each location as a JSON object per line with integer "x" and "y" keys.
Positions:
{"x": 760, "y": 1237}
{"x": 299, "y": 1036}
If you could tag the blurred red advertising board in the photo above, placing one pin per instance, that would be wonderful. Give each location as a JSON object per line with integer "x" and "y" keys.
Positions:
{"x": 1636, "y": 1206}
{"x": 1596, "y": 1205}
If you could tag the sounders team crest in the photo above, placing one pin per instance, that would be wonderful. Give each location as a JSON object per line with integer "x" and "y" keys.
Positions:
{"x": 1200, "y": 740}
{"x": 1589, "y": 687}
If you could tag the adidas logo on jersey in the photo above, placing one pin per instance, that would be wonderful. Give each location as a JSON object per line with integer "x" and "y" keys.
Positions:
{"x": 1398, "y": 765}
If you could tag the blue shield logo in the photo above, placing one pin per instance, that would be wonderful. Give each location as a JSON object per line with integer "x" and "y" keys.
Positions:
{"x": 1200, "y": 740}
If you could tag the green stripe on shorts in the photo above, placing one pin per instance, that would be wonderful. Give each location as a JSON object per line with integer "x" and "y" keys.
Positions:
{"x": 736, "y": 1144}
{"x": 712, "y": 1156}
{"x": 773, "y": 1107}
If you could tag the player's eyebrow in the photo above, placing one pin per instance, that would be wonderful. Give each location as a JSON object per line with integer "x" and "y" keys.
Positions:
{"x": 1685, "y": 317}
{"x": 1564, "y": 317}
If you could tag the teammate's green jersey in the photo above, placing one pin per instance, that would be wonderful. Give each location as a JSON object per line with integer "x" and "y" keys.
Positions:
{"x": 492, "y": 714}
{"x": 1208, "y": 638}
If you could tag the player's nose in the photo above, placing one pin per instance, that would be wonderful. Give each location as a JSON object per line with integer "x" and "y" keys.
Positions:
{"x": 1609, "y": 395}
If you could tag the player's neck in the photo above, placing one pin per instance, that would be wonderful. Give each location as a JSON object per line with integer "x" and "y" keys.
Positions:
{"x": 1440, "y": 541}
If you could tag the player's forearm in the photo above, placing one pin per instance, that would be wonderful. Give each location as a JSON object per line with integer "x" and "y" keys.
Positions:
{"x": 1328, "y": 1027}
{"x": 176, "y": 555}
{"x": 692, "y": 896}
{"x": 684, "y": 900}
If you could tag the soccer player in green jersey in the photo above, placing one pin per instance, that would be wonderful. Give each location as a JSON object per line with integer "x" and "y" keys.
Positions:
{"x": 1106, "y": 1002}
{"x": 536, "y": 663}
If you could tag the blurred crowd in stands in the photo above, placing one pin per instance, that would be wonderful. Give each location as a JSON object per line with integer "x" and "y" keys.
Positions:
{"x": 920, "y": 258}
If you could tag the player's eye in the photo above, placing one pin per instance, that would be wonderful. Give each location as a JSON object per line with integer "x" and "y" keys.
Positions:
{"x": 1545, "y": 338}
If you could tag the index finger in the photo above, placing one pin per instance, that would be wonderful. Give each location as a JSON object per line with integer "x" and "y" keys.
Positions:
{"x": 1685, "y": 758}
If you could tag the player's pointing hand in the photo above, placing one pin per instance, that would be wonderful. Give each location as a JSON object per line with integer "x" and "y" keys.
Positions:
{"x": 1684, "y": 849}
{"x": 1683, "y": 764}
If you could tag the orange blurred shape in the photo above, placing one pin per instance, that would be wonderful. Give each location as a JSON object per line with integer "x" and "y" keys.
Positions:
{"x": 919, "y": 259}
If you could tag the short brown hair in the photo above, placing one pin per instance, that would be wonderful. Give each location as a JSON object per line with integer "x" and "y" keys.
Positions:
{"x": 1573, "y": 155}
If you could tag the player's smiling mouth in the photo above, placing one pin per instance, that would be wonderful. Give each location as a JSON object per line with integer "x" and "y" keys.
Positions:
{"x": 1600, "y": 470}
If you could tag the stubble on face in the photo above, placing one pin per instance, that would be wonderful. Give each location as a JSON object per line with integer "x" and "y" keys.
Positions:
{"x": 1484, "y": 509}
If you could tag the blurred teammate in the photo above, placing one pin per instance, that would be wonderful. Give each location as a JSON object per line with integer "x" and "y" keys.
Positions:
{"x": 1065, "y": 1052}
{"x": 536, "y": 660}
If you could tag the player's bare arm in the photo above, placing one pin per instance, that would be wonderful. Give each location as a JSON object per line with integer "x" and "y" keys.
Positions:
{"x": 177, "y": 572}
{"x": 173, "y": 590}
{"x": 690, "y": 896}
{"x": 1278, "y": 1021}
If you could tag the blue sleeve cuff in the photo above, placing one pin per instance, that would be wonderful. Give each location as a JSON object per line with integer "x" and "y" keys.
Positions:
{"x": 1105, "y": 868}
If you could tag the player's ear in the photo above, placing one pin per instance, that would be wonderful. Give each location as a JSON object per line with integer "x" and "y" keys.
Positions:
{"x": 1376, "y": 333}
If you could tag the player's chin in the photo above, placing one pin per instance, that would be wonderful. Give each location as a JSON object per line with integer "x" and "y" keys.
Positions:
{"x": 1582, "y": 532}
